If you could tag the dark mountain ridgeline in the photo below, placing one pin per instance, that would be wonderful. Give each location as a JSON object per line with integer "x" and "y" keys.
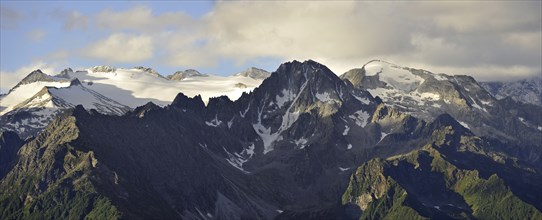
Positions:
{"x": 286, "y": 150}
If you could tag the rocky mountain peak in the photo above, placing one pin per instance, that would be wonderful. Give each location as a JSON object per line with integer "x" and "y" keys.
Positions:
{"x": 104, "y": 69}
{"x": 217, "y": 102}
{"x": 149, "y": 71}
{"x": 180, "y": 75}
{"x": 141, "y": 111}
{"x": 525, "y": 90}
{"x": 309, "y": 69}
{"x": 447, "y": 120}
{"x": 75, "y": 82}
{"x": 65, "y": 73}
{"x": 254, "y": 73}
{"x": 183, "y": 102}
{"x": 35, "y": 76}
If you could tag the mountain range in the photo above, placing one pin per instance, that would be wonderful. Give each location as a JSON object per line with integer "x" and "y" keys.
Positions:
{"x": 38, "y": 98}
{"x": 525, "y": 90}
{"x": 378, "y": 142}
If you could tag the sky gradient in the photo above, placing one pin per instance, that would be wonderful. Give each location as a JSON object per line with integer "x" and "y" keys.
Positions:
{"x": 489, "y": 40}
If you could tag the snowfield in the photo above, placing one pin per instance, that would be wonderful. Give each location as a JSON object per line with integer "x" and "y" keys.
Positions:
{"x": 132, "y": 88}
{"x": 24, "y": 92}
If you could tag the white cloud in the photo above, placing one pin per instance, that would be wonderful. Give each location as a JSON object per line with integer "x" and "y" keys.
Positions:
{"x": 9, "y": 18}
{"x": 75, "y": 20}
{"x": 485, "y": 72}
{"x": 343, "y": 35}
{"x": 142, "y": 19}
{"x": 469, "y": 17}
{"x": 525, "y": 40}
{"x": 10, "y": 79}
{"x": 71, "y": 19}
{"x": 36, "y": 35}
{"x": 122, "y": 48}
{"x": 457, "y": 37}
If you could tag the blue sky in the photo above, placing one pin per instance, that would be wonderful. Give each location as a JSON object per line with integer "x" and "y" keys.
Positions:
{"x": 489, "y": 40}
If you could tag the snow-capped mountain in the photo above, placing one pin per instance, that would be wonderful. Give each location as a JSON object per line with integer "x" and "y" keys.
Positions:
{"x": 526, "y": 90}
{"x": 28, "y": 87}
{"x": 180, "y": 75}
{"x": 107, "y": 89}
{"x": 149, "y": 70}
{"x": 135, "y": 87}
{"x": 305, "y": 144}
{"x": 33, "y": 114}
{"x": 426, "y": 95}
{"x": 419, "y": 92}
{"x": 254, "y": 73}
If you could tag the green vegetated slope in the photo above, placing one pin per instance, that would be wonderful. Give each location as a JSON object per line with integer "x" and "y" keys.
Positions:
{"x": 455, "y": 177}
{"x": 53, "y": 180}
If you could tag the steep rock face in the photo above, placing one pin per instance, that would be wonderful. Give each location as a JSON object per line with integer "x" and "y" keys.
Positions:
{"x": 139, "y": 173}
{"x": 9, "y": 145}
{"x": 289, "y": 145}
{"x": 426, "y": 95}
{"x": 526, "y": 90}
{"x": 304, "y": 127}
{"x": 36, "y": 76}
{"x": 65, "y": 73}
{"x": 441, "y": 181}
{"x": 52, "y": 179}
{"x": 285, "y": 150}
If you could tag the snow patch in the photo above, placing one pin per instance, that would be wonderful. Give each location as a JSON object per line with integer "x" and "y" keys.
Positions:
{"x": 382, "y": 136}
{"x": 488, "y": 103}
{"x": 440, "y": 77}
{"x": 236, "y": 160}
{"x": 214, "y": 123}
{"x": 464, "y": 124}
{"x": 344, "y": 169}
{"x": 363, "y": 100}
{"x": 242, "y": 114}
{"x": 478, "y": 107}
{"x": 360, "y": 118}
{"x": 266, "y": 136}
{"x": 301, "y": 142}
{"x": 230, "y": 123}
{"x": 286, "y": 96}
{"x": 324, "y": 97}
{"x": 249, "y": 151}
{"x": 430, "y": 96}
{"x": 395, "y": 76}
{"x": 346, "y": 129}
{"x": 349, "y": 147}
